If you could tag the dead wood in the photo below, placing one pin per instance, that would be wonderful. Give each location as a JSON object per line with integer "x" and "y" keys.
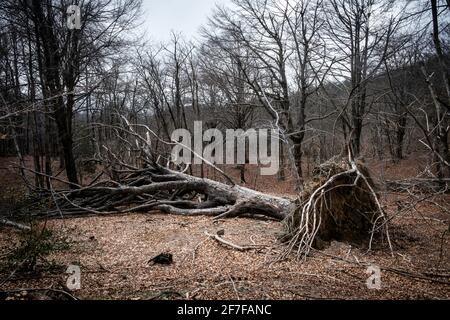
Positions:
{"x": 156, "y": 188}
{"x": 13, "y": 224}
{"x": 338, "y": 204}
{"x": 229, "y": 244}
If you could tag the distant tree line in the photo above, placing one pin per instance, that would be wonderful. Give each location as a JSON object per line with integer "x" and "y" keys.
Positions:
{"x": 369, "y": 74}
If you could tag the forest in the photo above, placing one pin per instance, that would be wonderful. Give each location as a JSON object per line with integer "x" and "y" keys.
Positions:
{"x": 293, "y": 150}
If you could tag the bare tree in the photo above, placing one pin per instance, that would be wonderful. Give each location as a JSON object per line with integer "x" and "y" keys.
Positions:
{"x": 226, "y": 72}
{"x": 62, "y": 54}
{"x": 280, "y": 38}
{"x": 360, "y": 31}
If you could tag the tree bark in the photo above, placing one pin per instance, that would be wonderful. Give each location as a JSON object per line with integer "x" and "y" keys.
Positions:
{"x": 50, "y": 70}
{"x": 159, "y": 188}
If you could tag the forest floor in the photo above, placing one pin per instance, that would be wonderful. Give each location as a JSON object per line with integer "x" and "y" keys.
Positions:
{"x": 113, "y": 254}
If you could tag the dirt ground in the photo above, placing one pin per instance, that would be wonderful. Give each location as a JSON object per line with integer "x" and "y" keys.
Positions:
{"x": 113, "y": 253}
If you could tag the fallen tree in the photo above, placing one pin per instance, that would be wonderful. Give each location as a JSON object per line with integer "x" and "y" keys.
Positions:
{"x": 340, "y": 204}
{"x": 158, "y": 188}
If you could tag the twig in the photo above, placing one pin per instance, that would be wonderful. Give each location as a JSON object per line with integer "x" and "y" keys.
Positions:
{"x": 13, "y": 224}
{"x": 235, "y": 289}
{"x": 393, "y": 270}
{"x": 41, "y": 289}
{"x": 230, "y": 244}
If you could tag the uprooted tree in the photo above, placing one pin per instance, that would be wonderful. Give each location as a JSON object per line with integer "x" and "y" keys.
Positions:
{"x": 339, "y": 204}
{"x": 258, "y": 61}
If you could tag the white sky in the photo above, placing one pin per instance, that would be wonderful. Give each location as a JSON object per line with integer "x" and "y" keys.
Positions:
{"x": 160, "y": 17}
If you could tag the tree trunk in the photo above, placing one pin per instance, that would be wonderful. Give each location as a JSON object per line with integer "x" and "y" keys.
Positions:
{"x": 65, "y": 137}
{"x": 49, "y": 62}
{"x": 298, "y": 154}
{"x": 173, "y": 192}
{"x": 401, "y": 131}
{"x": 281, "y": 172}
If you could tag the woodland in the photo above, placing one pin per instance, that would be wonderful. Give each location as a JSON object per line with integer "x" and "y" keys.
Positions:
{"x": 358, "y": 92}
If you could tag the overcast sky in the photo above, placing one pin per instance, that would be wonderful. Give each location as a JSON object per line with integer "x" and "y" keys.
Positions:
{"x": 160, "y": 17}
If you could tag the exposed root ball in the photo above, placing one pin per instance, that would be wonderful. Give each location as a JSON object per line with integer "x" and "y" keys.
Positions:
{"x": 336, "y": 205}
